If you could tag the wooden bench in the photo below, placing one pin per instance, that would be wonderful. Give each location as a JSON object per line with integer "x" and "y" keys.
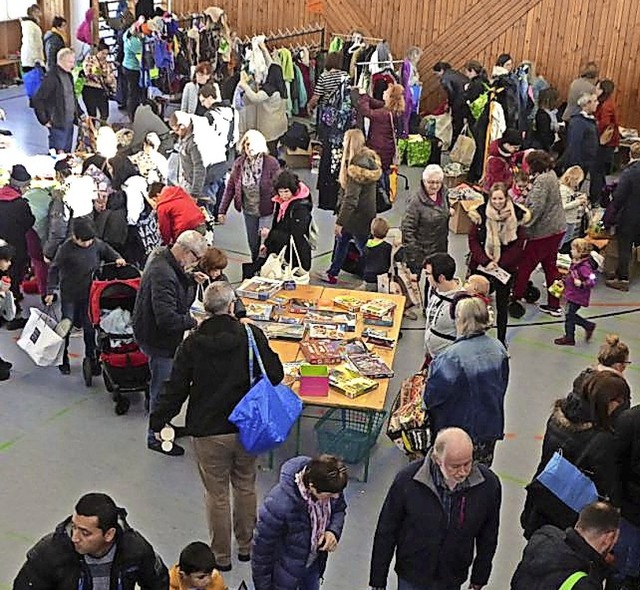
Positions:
{"x": 12, "y": 63}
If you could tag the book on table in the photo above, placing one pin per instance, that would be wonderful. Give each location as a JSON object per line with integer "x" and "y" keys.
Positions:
{"x": 350, "y": 382}
{"x": 322, "y": 316}
{"x": 378, "y": 307}
{"x": 348, "y": 302}
{"x": 326, "y": 331}
{"x": 299, "y": 305}
{"x": 370, "y": 365}
{"x": 322, "y": 352}
{"x": 280, "y": 331}
{"x": 260, "y": 312}
{"x": 259, "y": 288}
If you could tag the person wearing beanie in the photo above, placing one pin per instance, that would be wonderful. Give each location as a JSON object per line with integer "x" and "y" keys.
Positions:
{"x": 506, "y": 88}
{"x": 72, "y": 268}
{"x": 504, "y": 155}
{"x": 16, "y": 220}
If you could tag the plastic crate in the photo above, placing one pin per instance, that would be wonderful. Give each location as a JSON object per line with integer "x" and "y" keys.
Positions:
{"x": 349, "y": 434}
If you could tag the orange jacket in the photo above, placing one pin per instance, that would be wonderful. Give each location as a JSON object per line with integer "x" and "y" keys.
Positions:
{"x": 175, "y": 583}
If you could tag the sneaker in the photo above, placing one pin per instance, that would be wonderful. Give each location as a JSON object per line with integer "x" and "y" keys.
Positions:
{"x": 619, "y": 284}
{"x": 589, "y": 332}
{"x": 556, "y": 312}
{"x": 179, "y": 431}
{"x": 244, "y": 557}
{"x": 564, "y": 341}
{"x": 223, "y": 568}
{"x": 176, "y": 450}
{"x": 325, "y": 277}
{"x": 516, "y": 309}
{"x": 64, "y": 368}
{"x": 16, "y": 324}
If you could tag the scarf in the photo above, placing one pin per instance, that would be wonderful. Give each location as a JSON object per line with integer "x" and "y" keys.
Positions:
{"x": 319, "y": 513}
{"x": 252, "y": 171}
{"x": 502, "y": 229}
{"x": 62, "y": 34}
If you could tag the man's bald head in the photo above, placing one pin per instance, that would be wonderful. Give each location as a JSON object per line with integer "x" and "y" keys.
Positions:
{"x": 453, "y": 453}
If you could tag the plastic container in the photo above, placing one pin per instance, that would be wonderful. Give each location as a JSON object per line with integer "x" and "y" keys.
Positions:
{"x": 314, "y": 380}
{"x": 349, "y": 434}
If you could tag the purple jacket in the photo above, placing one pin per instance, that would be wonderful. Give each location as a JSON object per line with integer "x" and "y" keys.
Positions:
{"x": 584, "y": 272}
{"x": 270, "y": 171}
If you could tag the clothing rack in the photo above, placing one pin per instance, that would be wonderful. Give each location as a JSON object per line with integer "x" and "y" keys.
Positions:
{"x": 384, "y": 62}
{"x": 350, "y": 35}
{"x": 280, "y": 35}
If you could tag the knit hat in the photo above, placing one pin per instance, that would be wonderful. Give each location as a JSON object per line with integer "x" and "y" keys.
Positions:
{"x": 83, "y": 229}
{"x": 512, "y": 137}
{"x": 19, "y": 176}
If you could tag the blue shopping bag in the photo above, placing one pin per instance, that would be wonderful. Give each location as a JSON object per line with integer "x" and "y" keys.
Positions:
{"x": 32, "y": 80}
{"x": 266, "y": 414}
{"x": 565, "y": 481}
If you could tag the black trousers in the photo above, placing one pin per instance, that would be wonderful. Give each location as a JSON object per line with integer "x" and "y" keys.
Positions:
{"x": 135, "y": 94}
{"x": 502, "y": 294}
{"x": 96, "y": 101}
{"x": 625, "y": 241}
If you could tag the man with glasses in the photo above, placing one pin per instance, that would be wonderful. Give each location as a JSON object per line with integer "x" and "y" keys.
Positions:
{"x": 161, "y": 315}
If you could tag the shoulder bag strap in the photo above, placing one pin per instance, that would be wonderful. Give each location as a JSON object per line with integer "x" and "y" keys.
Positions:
{"x": 572, "y": 580}
{"x": 253, "y": 351}
{"x": 396, "y": 159}
{"x": 293, "y": 250}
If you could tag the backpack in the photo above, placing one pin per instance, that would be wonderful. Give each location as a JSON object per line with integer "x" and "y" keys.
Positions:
{"x": 339, "y": 114}
{"x": 478, "y": 105}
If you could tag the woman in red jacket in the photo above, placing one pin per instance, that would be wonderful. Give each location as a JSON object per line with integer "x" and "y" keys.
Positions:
{"x": 609, "y": 134}
{"x": 496, "y": 240}
{"x": 177, "y": 212}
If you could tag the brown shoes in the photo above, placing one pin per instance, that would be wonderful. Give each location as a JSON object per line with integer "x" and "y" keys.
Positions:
{"x": 619, "y": 284}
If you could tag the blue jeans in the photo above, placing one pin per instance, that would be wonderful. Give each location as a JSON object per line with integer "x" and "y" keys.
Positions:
{"x": 340, "y": 249}
{"x": 311, "y": 579}
{"x": 254, "y": 224}
{"x": 61, "y": 139}
{"x": 627, "y": 550}
{"x": 404, "y": 585}
{"x": 569, "y": 233}
{"x": 160, "y": 367}
{"x": 79, "y": 311}
{"x": 571, "y": 318}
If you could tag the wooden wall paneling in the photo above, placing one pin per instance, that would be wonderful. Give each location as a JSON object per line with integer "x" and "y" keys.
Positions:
{"x": 625, "y": 75}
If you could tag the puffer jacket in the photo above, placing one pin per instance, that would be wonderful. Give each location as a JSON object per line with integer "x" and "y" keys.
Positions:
{"x": 177, "y": 212}
{"x": 628, "y": 460}
{"x": 583, "y": 142}
{"x": 584, "y": 272}
{"x": 194, "y": 172}
{"x": 357, "y": 207}
{"x": 282, "y": 541}
{"x": 161, "y": 313}
{"x": 53, "y": 564}
{"x": 552, "y": 555}
{"x": 425, "y": 227}
{"x": 32, "y": 48}
{"x": 570, "y": 430}
{"x": 217, "y": 352}
{"x": 510, "y": 254}
{"x": 466, "y": 387}
{"x": 545, "y": 203}
{"x": 53, "y": 42}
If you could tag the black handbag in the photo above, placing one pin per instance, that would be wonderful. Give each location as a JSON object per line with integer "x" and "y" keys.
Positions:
{"x": 383, "y": 198}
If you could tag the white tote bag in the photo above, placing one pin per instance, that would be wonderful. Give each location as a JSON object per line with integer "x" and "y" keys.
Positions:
{"x": 273, "y": 267}
{"x": 295, "y": 273}
{"x": 40, "y": 340}
{"x": 444, "y": 130}
{"x": 464, "y": 149}
{"x": 7, "y": 306}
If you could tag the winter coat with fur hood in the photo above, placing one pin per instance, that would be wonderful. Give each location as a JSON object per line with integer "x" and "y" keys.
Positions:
{"x": 357, "y": 207}
{"x": 510, "y": 254}
{"x": 570, "y": 429}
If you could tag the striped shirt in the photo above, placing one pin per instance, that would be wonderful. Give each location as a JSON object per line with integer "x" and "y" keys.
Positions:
{"x": 327, "y": 84}
{"x": 100, "y": 568}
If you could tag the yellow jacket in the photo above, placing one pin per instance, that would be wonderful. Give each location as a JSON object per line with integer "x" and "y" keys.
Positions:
{"x": 175, "y": 583}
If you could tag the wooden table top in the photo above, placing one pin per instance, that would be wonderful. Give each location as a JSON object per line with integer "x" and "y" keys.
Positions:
{"x": 290, "y": 351}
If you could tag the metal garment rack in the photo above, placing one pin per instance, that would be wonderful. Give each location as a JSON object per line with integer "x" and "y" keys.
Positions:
{"x": 350, "y": 36}
{"x": 282, "y": 35}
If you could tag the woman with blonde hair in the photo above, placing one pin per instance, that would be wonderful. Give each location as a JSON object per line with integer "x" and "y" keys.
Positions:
{"x": 385, "y": 116}
{"x": 573, "y": 202}
{"x": 359, "y": 174}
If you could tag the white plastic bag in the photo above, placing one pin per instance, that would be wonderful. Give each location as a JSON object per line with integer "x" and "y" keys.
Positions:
{"x": 444, "y": 129}
{"x": 7, "y": 306}
{"x": 40, "y": 340}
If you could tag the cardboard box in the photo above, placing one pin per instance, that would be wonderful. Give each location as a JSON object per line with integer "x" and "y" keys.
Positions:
{"x": 300, "y": 158}
{"x": 459, "y": 222}
{"x": 610, "y": 254}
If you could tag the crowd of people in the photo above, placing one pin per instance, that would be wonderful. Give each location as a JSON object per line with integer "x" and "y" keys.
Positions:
{"x": 145, "y": 200}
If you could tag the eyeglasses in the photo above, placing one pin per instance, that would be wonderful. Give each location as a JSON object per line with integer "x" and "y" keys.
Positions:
{"x": 626, "y": 362}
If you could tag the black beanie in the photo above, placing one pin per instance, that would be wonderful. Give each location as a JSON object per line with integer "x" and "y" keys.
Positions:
{"x": 83, "y": 229}
{"x": 511, "y": 136}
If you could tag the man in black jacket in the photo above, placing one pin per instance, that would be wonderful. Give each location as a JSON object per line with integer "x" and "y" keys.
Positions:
{"x": 161, "y": 314}
{"x": 437, "y": 512}
{"x": 552, "y": 556}
{"x": 453, "y": 83}
{"x": 211, "y": 370}
{"x": 624, "y": 214}
{"x": 55, "y": 103}
{"x": 94, "y": 549}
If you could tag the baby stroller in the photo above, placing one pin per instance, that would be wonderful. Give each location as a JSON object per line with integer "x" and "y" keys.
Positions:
{"x": 125, "y": 367}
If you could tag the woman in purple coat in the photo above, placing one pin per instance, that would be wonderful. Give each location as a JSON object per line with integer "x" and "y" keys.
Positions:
{"x": 385, "y": 117}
